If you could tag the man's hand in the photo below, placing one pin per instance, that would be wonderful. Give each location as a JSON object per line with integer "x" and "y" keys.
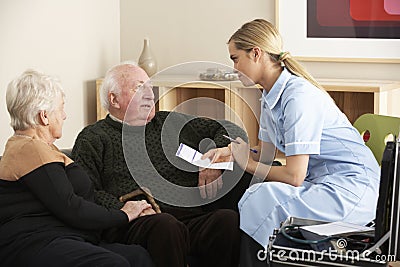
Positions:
{"x": 222, "y": 154}
{"x": 210, "y": 180}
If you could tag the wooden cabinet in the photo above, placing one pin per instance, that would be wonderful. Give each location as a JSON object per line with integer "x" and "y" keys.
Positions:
{"x": 100, "y": 111}
{"x": 232, "y": 101}
{"x": 357, "y": 97}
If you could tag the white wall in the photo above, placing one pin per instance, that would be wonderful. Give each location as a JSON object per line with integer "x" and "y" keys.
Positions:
{"x": 75, "y": 40}
{"x": 182, "y": 31}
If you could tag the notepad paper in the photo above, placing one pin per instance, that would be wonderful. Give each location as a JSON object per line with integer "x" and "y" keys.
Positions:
{"x": 336, "y": 228}
{"x": 194, "y": 157}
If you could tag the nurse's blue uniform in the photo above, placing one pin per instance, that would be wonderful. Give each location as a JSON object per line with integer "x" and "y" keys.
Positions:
{"x": 342, "y": 179}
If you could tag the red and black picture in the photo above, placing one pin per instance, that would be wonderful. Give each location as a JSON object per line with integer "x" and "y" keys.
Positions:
{"x": 378, "y": 19}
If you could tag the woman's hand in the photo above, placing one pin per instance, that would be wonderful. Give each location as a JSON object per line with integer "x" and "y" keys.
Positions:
{"x": 134, "y": 208}
{"x": 222, "y": 154}
{"x": 241, "y": 153}
{"x": 149, "y": 211}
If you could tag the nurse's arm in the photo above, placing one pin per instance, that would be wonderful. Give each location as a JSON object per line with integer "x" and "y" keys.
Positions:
{"x": 256, "y": 156}
{"x": 293, "y": 173}
{"x": 266, "y": 152}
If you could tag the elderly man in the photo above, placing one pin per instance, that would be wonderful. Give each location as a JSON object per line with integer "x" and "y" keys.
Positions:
{"x": 135, "y": 147}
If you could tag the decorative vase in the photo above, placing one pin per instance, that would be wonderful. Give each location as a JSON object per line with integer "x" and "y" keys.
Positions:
{"x": 147, "y": 60}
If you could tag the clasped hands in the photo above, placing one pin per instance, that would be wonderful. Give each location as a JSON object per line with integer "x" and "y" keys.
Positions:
{"x": 135, "y": 209}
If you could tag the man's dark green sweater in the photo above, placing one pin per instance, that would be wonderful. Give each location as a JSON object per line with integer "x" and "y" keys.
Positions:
{"x": 113, "y": 153}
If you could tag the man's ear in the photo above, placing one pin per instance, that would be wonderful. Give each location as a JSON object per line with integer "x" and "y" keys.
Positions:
{"x": 43, "y": 117}
{"x": 113, "y": 100}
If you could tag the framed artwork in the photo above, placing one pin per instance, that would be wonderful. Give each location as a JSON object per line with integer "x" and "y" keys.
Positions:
{"x": 340, "y": 30}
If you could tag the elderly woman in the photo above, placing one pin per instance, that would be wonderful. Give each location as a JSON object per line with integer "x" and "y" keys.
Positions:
{"x": 47, "y": 213}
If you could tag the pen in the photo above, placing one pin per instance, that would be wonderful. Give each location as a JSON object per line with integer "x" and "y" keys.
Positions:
{"x": 233, "y": 140}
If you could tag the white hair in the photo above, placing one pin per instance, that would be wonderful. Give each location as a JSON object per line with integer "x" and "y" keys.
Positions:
{"x": 28, "y": 95}
{"x": 111, "y": 83}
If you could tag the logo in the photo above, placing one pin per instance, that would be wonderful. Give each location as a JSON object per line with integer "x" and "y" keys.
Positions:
{"x": 341, "y": 243}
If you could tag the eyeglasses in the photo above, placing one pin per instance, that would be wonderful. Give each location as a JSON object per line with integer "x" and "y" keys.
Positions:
{"x": 140, "y": 86}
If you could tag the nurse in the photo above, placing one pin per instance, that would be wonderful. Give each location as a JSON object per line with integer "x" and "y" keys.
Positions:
{"x": 329, "y": 174}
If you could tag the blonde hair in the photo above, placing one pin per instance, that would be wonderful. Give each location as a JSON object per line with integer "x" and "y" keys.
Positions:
{"x": 29, "y": 94}
{"x": 263, "y": 34}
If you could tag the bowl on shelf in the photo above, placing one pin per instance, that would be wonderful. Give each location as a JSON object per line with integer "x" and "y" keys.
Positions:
{"x": 216, "y": 74}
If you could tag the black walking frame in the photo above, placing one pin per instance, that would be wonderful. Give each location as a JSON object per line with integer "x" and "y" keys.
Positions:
{"x": 292, "y": 246}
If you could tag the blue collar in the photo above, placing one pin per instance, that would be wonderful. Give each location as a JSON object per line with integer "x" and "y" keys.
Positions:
{"x": 276, "y": 91}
